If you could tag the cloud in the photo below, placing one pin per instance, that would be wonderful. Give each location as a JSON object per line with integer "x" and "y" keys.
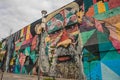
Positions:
{"x": 16, "y": 14}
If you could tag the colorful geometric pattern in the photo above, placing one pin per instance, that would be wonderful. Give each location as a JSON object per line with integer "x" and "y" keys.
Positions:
{"x": 82, "y": 39}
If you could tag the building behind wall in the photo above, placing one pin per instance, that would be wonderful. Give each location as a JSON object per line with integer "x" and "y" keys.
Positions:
{"x": 87, "y": 28}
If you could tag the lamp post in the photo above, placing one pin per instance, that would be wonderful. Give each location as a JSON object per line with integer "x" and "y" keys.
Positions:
{"x": 43, "y": 12}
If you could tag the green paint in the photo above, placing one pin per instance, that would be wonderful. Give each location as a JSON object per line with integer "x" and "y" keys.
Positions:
{"x": 111, "y": 55}
{"x": 108, "y": 14}
{"x": 86, "y": 35}
{"x": 102, "y": 37}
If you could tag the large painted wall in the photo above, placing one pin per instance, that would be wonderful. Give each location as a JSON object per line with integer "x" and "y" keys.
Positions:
{"x": 104, "y": 57}
{"x": 81, "y": 41}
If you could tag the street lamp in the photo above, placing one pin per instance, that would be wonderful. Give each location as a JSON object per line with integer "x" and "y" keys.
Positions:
{"x": 44, "y": 12}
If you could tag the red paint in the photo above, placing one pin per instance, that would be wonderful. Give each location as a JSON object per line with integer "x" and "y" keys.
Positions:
{"x": 90, "y": 12}
{"x": 106, "y": 0}
{"x": 113, "y": 4}
{"x": 115, "y": 43}
{"x": 64, "y": 36}
{"x": 64, "y": 58}
{"x": 94, "y": 1}
{"x": 98, "y": 26}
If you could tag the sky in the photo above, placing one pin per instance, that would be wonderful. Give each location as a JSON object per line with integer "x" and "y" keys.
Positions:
{"x": 16, "y": 14}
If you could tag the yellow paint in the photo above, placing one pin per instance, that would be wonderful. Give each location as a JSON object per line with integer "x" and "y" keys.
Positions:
{"x": 80, "y": 15}
{"x": 118, "y": 30}
{"x": 22, "y": 33}
{"x": 47, "y": 39}
{"x": 101, "y": 7}
{"x": 76, "y": 32}
{"x": 28, "y": 32}
{"x": 64, "y": 43}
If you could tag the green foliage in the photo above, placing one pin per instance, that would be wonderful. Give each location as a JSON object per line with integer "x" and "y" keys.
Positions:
{"x": 48, "y": 78}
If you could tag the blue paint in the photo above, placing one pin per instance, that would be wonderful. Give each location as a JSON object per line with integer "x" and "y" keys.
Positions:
{"x": 114, "y": 65}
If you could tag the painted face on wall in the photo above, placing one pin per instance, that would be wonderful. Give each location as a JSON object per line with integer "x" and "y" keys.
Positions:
{"x": 63, "y": 45}
{"x": 59, "y": 26}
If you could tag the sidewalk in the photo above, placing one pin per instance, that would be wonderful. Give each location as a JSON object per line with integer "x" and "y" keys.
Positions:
{"x": 11, "y": 76}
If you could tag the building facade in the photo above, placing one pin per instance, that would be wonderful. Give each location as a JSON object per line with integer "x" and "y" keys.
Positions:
{"x": 80, "y": 41}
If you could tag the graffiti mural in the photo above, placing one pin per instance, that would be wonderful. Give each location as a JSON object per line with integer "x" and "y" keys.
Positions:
{"x": 100, "y": 38}
{"x": 81, "y": 41}
{"x": 64, "y": 46}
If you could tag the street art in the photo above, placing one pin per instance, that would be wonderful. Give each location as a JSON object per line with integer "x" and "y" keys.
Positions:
{"x": 100, "y": 38}
{"x": 81, "y": 41}
{"x": 64, "y": 46}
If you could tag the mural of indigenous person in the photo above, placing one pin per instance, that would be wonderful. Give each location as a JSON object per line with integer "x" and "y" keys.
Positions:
{"x": 80, "y": 42}
{"x": 64, "y": 50}
{"x": 94, "y": 37}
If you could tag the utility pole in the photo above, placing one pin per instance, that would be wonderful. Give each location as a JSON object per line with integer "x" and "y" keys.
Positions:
{"x": 44, "y": 12}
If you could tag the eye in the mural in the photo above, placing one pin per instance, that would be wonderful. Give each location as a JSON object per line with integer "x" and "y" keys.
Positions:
{"x": 72, "y": 30}
{"x": 55, "y": 34}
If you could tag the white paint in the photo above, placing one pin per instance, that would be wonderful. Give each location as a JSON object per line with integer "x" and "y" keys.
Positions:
{"x": 108, "y": 74}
